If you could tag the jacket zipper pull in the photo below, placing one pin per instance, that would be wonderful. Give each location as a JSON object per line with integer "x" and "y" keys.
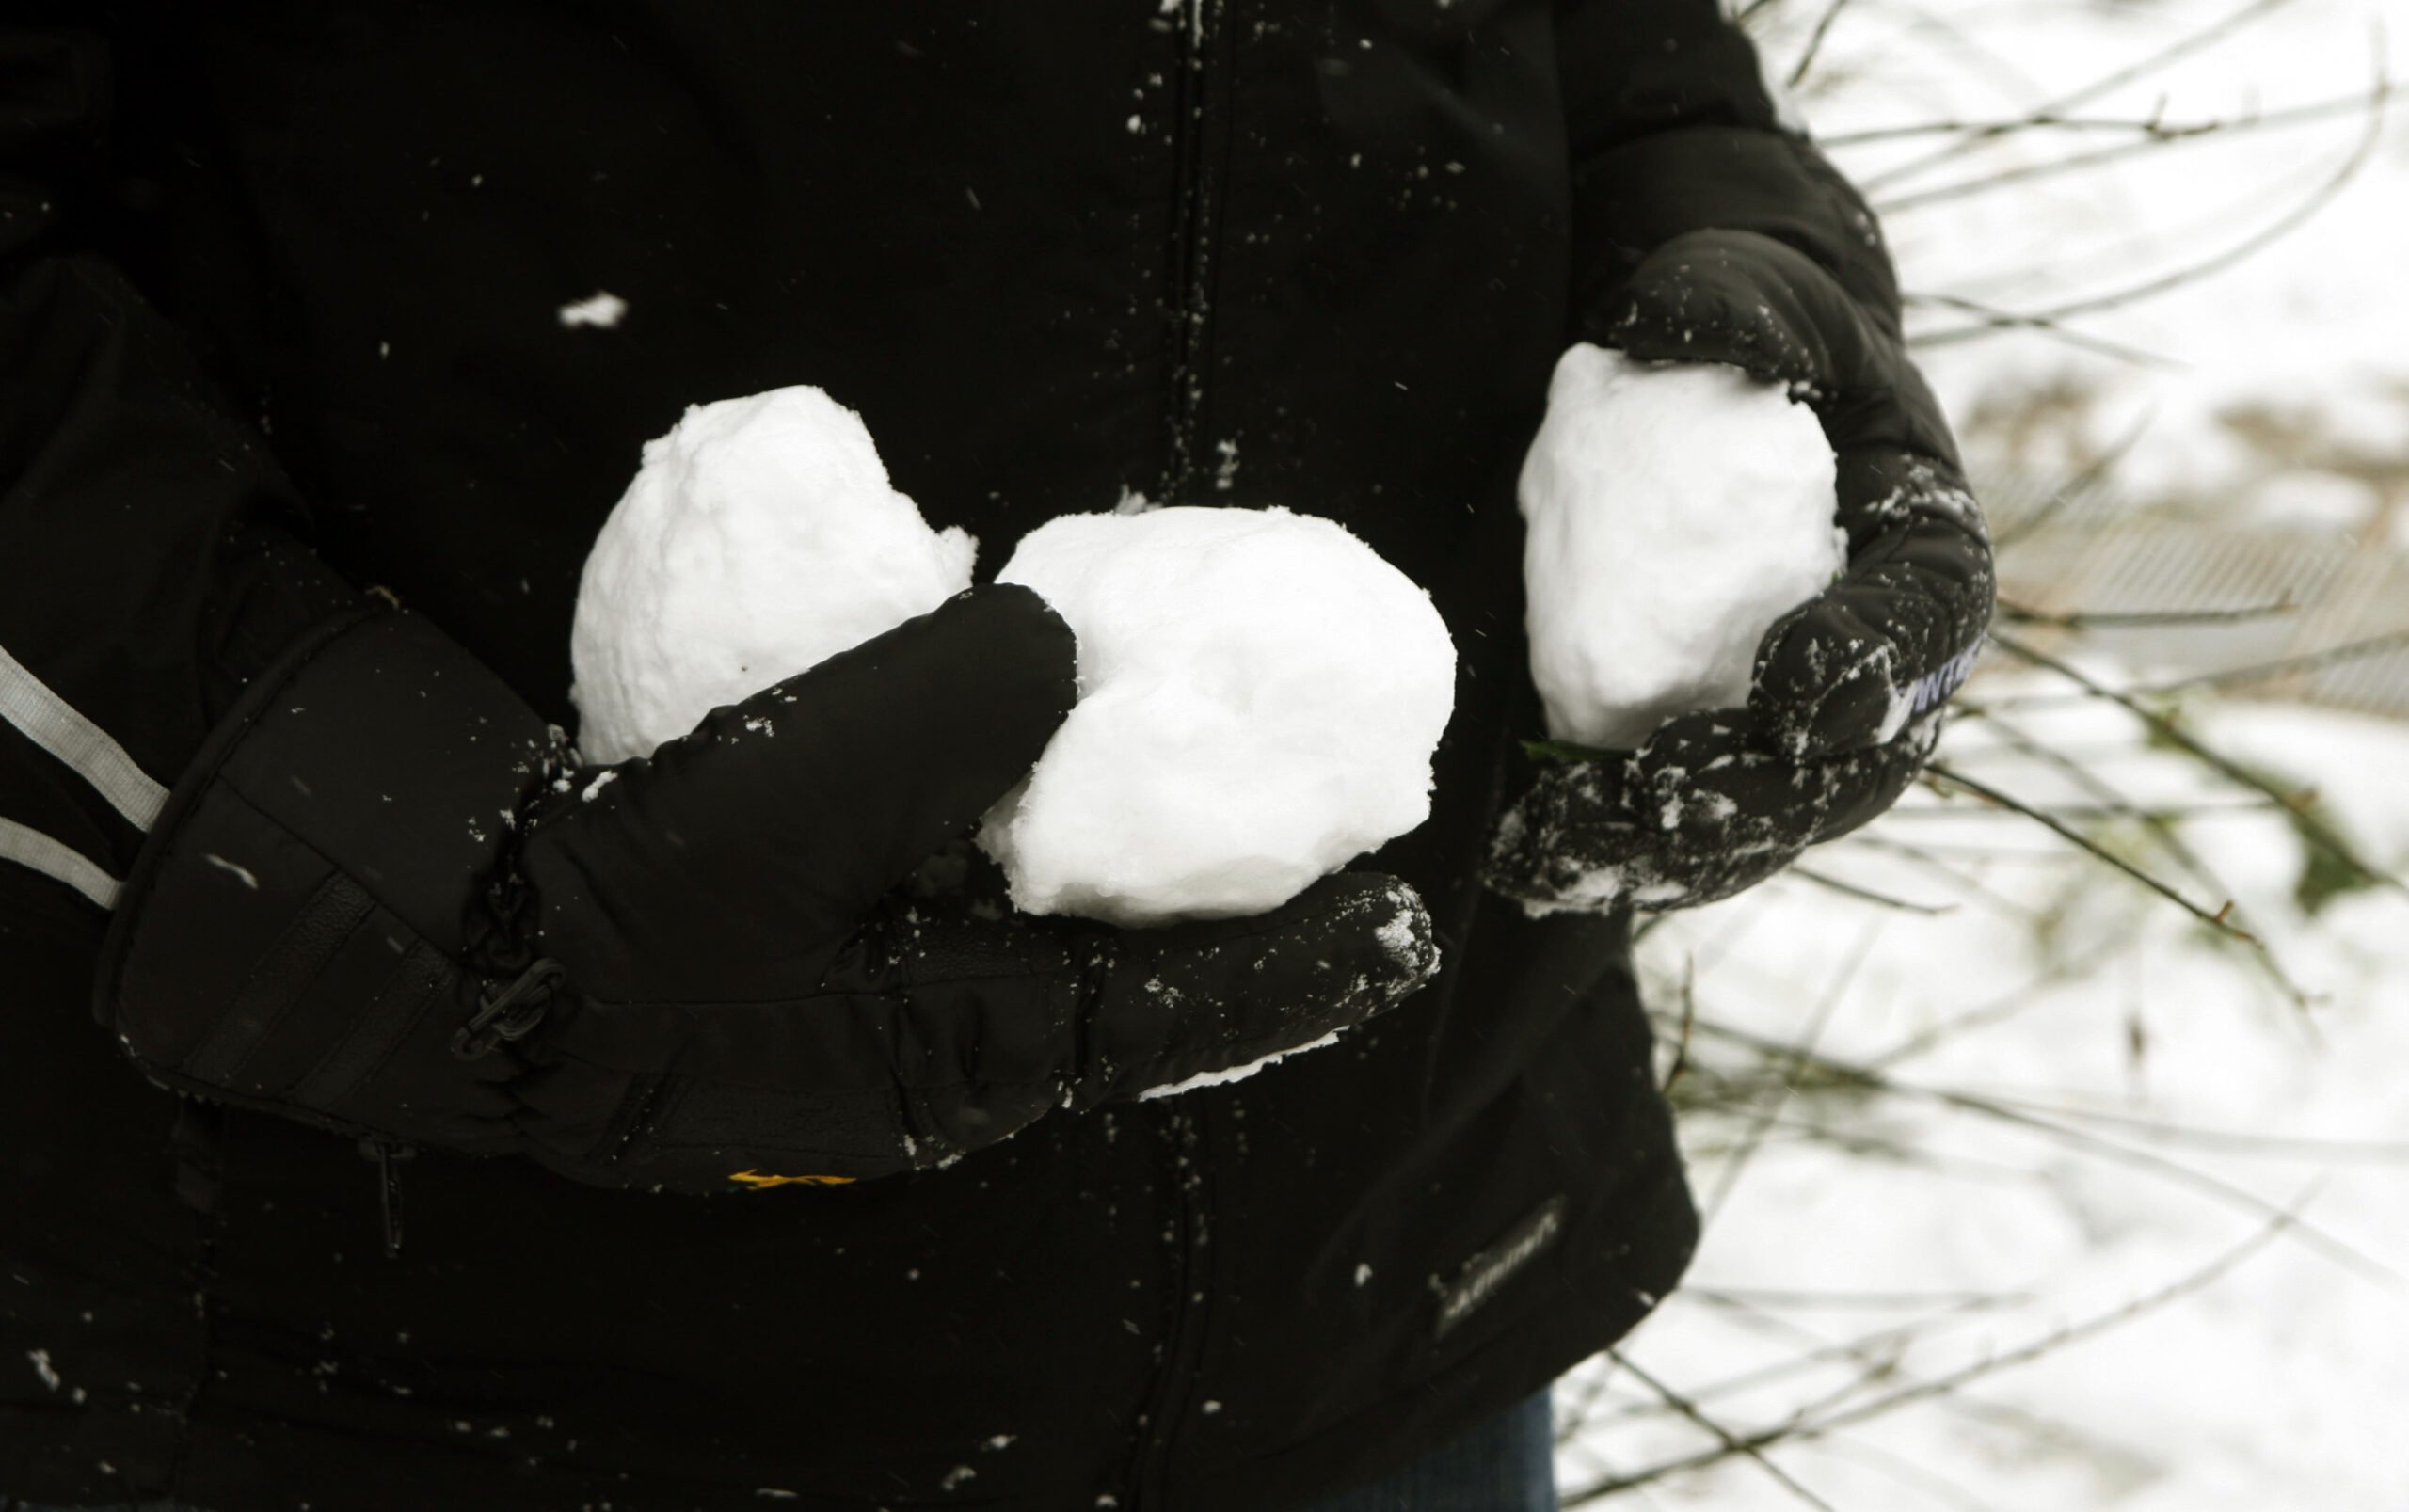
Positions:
{"x": 388, "y": 1156}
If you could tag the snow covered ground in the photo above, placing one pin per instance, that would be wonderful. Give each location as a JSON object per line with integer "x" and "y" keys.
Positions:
{"x": 2060, "y": 1198}
{"x": 2056, "y": 1099}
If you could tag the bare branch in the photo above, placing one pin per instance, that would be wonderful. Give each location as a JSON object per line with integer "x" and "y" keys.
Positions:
{"x": 2174, "y": 52}
{"x": 2006, "y": 1005}
{"x": 1942, "y": 1385}
{"x": 2281, "y": 667}
{"x": 2085, "y": 478}
{"x": 2214, "y": 920}
{"x": 1689, "y": 1016}
{"x": 2312, "y": 829}
{"x": 2340, "y": 1253}
{"x": 1816, "y": 42}
{"x": 1689, "y": 1410}
{"x": 1996, "y": 318}
{"x": 1867, "y": 895}
{"x": 2115, "y": 804}
{"x": 1988, "y": 183}
{"x": 2229, "y": 1141}
{"x": 1729, "y": 1176}
{"x": 2092, "y": 620}
{"x": 2291, "y": 220}
{"x": 2155, "y": 128}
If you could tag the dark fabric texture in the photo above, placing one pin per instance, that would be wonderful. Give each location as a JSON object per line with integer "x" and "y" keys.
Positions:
{"x": 1505, "y": 1464}
{"x": 277, "y": 273}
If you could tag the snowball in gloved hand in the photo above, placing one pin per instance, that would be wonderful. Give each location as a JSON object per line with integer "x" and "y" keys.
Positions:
{"x": 1260, "y": 696}
{"x": 759, "y": 537}
{"x": 1674, "y": 511}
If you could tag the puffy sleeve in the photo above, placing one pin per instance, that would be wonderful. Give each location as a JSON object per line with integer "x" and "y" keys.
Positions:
{"x": 147, "y": 539}
{"x": 1674, "y": 129}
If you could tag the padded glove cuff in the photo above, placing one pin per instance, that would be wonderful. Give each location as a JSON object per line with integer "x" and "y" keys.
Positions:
{"x": 293, "y": 936}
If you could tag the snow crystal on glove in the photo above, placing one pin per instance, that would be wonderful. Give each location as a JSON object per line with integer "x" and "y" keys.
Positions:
{"x": 1260, "y": 696}
{"x": 1673, "y": 512}
{"x": 759, "y": 537}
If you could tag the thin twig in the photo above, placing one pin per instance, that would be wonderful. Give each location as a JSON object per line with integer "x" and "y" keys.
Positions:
{"x": 1689, "y": 1017}
{"x": 2342, "y": 1253}
{"x": 1867, "y": 895}
{"x": 2101, "y": 156}
{"x": 1880, "y": 1367}
{"x": 2155, "y": 128}
{"x": 2085, "y": 478}
{"x": 2291, "y": 220}
{"x": 1949, "y": 1303}
{"x": 1822, "y": 1351}
{"x": 2079, "y": 620}
{"x": 1689, "y": 1410}
{"x": 1883, "y": 1367}
{"x": 1942, "y": 1385}
{"x": 2332, "y": 656}
{"x": 2311, "y": 828}
{"x": 2215, "y": 920}
{"x": 2262, "y": 1146}
{"x": 1930, "y": 860}
{"x": 1816, "y": 42}
{"x": 1999, "y": 318}
{"x": 2117, "y": 804}
{"x": 2182, "y": 47}
{"x": 1729, "y": 1176}
{"x": 2090, "y": 811}
{"x": 2006, "y": 1005}
{"x": 1900, "y": 1468}
{"x": 1593, "y": 1386}
{"x": 2221, "y": 920}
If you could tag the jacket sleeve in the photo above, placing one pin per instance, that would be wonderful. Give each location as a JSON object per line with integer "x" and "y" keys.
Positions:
{"x": 1673, "y": 130}
{"x": 145, "y": 534}
{"x": 250, "y": 813}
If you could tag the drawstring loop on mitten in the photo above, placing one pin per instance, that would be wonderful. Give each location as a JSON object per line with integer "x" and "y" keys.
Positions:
{"x": 511, "y": 1014}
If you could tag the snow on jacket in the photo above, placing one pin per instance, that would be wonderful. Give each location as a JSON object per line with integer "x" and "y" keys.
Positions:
{"x": 331, "y": 269}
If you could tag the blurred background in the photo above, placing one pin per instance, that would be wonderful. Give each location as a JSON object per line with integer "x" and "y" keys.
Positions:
{"x": 2053, "y": 1131}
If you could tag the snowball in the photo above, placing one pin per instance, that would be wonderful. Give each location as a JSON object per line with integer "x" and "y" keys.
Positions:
{"x": 1674, "y": 512}
{"x": 759, "y": 536}
{"x": 1260, "y": 696}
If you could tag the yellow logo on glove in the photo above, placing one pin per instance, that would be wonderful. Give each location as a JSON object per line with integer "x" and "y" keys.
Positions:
{"x": 762, "y": 1183}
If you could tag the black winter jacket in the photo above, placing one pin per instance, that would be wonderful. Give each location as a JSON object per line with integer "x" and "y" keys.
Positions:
{"x": 295, "y": 270}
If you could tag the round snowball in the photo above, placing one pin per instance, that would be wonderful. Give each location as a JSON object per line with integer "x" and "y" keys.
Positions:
{"x": 1259, "y": 698}
{"x": 760, "y": 537}
{"x": 1673, "y": 511}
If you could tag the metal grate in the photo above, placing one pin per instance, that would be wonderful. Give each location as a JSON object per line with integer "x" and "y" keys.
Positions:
{"x": 2342, "y": 642}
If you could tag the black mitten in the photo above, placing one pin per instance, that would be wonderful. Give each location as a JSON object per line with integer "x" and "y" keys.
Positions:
{"x": 1844, "y": 703}
{"x": 384, "y": 903}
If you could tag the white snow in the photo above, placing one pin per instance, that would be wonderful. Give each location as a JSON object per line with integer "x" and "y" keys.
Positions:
{"x": 2197, "y": 1101}
{"x": 1673, "y": 511}
{"x": 241, "y": 873}
{"x": 1906, "y": 1238}
{"x": 760, "y": 537}
{"x": 2313, "y": 327}
{"x": 1231, "y": 1073}
{"x": 604, "y": 310}
{"x": 1260, "y": 696}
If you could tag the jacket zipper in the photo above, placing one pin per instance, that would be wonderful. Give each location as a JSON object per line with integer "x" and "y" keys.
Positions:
{"x": 1201, "y": 23}
{"x": 1183, "y": 1345}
